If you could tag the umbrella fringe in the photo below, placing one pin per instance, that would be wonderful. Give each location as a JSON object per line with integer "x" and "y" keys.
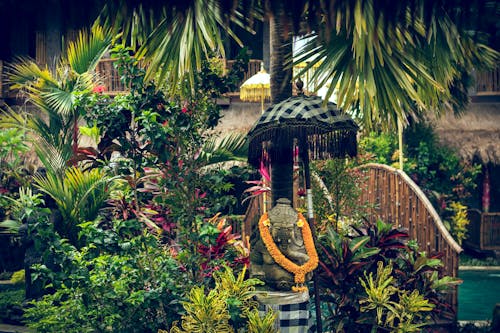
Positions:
{"x": 255, "y": 94}
{"x": 338, "y": 143}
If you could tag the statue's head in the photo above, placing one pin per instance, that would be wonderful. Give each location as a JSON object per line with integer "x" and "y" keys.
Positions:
{"x": 283, "y": 220}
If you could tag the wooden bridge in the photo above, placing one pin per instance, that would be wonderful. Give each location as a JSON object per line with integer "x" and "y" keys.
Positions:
{"x": 393, "y": 197}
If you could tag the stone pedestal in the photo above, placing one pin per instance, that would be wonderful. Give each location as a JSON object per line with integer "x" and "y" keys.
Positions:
{"x": 292, "y": 310}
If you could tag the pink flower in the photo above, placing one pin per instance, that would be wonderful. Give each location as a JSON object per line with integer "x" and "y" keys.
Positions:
{"x": 200, "y": 195}
{"x": 99, "y": 89}
{"x": 184, "y": 110}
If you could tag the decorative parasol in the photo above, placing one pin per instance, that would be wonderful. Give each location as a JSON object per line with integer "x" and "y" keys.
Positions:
{"x": 257, "y": 87}
{"x": 321, "y": 131}
{"x": 327, "y": 131}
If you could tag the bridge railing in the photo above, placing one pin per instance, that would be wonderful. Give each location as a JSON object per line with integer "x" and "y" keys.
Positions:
{"x": 393, "y": 197}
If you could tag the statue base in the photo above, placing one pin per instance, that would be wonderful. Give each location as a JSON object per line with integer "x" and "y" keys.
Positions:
{"x": 292, "y": 310}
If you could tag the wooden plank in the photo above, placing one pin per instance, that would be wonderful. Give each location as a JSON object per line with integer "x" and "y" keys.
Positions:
{"x": 41, "y": 48}
{"x": 383, "y": 195}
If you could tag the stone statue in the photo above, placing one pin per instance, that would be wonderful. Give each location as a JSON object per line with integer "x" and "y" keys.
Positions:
{"x": 287, "y": 236}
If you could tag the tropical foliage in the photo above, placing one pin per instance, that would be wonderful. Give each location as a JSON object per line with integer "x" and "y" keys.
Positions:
{"x": 78, "y": 196}
{"x": 389, "y": 68}
{"x": 122, "y": 280}
{"x": 438, "y": 170}
{"x": 55, "y": 93}
{"x": 228, "y": 307}
{"x": 128, "y": 230}
{"x": 373, "y": 278}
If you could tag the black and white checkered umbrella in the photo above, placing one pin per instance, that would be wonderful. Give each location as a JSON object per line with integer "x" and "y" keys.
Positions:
{"x": 328, "y": 131}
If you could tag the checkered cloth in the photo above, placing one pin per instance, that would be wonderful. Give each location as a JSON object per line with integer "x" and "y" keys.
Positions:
{"x": 329, "y": 131}
{"x": 291, "y": 318}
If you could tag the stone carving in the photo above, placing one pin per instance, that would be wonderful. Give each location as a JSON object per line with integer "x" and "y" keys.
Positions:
{"x": 288, "y": 238}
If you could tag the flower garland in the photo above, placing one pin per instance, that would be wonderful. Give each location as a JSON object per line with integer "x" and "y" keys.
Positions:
{"x": 299, "y": 271}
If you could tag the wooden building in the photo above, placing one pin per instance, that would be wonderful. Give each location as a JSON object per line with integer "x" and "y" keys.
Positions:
{"x": 475, "y": 136}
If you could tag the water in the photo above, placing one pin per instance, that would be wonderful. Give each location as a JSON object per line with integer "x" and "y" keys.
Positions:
{"x": 478, "y": 294}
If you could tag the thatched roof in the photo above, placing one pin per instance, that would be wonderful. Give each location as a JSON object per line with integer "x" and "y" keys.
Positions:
{"x": 475, "y": 134}
{"x": 240, "y": 117}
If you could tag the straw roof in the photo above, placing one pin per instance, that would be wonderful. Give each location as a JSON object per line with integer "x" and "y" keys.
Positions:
{"x": 474, "y": 134}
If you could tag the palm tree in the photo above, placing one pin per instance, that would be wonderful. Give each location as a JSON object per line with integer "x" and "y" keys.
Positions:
{"x": 387, "y": 72}
{"x": 390, "y": 60}
{"x": 172, "y": 37}
{"x": 79, "y": 195}
{"x": 56, "y": 95}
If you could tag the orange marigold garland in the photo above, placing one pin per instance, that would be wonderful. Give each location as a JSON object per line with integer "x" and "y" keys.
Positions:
{"x": 299, "y": 271}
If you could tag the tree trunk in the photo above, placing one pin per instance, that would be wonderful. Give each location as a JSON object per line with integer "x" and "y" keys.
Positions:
{"x": 281, "y": 171}
{"x": 281, "y": 88}
{"x": 281, "y": 47}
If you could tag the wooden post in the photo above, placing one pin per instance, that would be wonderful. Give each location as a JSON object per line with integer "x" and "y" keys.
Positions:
{"x": 304, "y": 153}
{"x": 400, "y": 141}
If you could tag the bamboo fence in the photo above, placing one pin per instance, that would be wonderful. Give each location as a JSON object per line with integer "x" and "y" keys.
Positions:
{"x": 392, "y": 196}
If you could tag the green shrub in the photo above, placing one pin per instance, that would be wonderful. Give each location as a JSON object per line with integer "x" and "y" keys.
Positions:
{"x": 8, "y": 300}
{"x": 228, "y": 307}
{"x": 374, "y": 277}
{"x": 467, "y": 260}
{"x": 18, "y": 277}
{"x": 458, "y": 222}
{"x": 124, "y": 280}
{"x": 391, "y": 307}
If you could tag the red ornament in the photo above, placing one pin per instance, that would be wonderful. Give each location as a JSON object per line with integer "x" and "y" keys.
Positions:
{"x": 486, "y": 191}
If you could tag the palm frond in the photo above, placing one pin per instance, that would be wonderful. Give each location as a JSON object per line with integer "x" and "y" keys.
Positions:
{"x": 232, "y": 147}
{"x": 58, "y": 100}
{"x": 83, "y": 54}
{"x": 52, "y": 144}
{"x": 53, "y": 156}
{"x": 385, "y": 70}
{"x": 180, "y": 42}
{"x": 133, "y": 21}
{"x": 25, "y": 72}
{"x": 78, "y": 194}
